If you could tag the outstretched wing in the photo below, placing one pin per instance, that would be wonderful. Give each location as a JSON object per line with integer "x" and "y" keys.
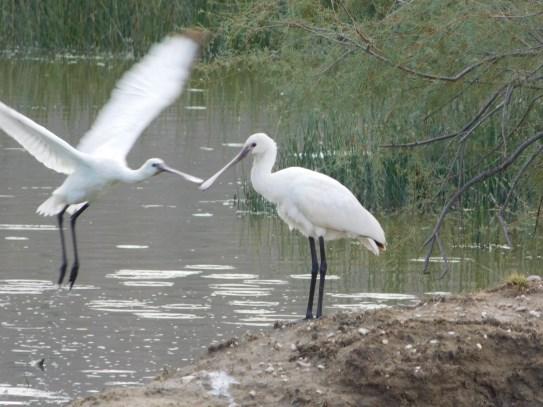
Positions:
{"x": 47, "y": 148}
{"x": 140, "y": 95}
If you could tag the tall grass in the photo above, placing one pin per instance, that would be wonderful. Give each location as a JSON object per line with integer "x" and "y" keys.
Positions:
{"x": 336, "y": 107}
{"x": 346, "y": 146}
{"x": 98, "y": 25}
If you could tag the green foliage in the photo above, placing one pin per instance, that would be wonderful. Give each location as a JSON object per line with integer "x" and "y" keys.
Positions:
{"x": 348, "y": 102}
{"x": 349, "y": 76}
{"x": 95, "y": 26}
{"x": 518, "y": 281}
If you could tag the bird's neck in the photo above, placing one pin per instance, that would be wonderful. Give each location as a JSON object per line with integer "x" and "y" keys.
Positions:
{"x": 131, "y": 176}
{"x": 261, "y": 173}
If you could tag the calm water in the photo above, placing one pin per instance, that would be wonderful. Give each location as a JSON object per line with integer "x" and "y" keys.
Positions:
{"x": 167, "y": 269}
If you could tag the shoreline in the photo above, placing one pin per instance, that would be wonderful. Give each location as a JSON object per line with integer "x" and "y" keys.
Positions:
{"x": 475, "y": 349}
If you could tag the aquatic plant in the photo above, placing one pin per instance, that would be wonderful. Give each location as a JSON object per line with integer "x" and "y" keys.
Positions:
{"x": 430, "y": 105}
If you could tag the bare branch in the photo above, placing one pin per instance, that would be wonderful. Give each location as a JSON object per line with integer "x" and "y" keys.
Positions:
{"x": 508, "y": 17}
{"x": 538, "y": 213}
{"x": 445, "y": 267}
{"x": 469, "y": 132}
{"x": 478, "y": 178}
{"x": 427, "y": 258}
{"x": 334, "y": 63}
{"x": 505, "y": 113}
{"x": 503, "y": 223}
{"x": 466, "y": 130}
{"x": 521, "y": 171}
{"x": 422, "y": 142}
{"x": 367, "y": 46}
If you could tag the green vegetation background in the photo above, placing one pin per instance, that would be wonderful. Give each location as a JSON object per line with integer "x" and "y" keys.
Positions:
{"x": 338, "y": 104}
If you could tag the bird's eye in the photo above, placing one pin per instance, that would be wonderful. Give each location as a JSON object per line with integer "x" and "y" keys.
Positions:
{"x": 154, "y": 165}
{"x": 253, "y": 145}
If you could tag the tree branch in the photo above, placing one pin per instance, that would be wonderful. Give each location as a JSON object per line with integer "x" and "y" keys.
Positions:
{"x": 368, "y": 48}
{"x": 538, "y": 213}
{"x": 478, "y": 178}
{"x": 469, "y": 127}
{"x": 521, "y": 171}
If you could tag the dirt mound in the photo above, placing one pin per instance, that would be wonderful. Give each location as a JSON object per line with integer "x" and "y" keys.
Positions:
{"x": 458, "y": 364}
{"x": 479, "y": 350}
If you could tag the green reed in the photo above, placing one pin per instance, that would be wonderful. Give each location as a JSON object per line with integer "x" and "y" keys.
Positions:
{"x": 99, "y": 25}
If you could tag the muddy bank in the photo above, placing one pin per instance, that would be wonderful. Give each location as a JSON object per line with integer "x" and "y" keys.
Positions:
{"x": 484, "y": 349}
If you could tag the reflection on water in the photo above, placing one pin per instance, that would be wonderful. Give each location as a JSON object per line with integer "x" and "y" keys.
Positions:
{"x": 442, "y": 260}
{"x": 154, "y": 274}
{"x": 5, "y": 226}
{"x": 167, "y": 269}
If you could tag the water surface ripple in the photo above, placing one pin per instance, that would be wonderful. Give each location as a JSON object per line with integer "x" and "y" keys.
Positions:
{"x": 167, "y": 269}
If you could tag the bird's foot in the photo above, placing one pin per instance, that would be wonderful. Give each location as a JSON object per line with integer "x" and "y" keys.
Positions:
{"x": 62, "y": 273}
{"x": 308, "y": 316}
{"x": 73, "y": 274}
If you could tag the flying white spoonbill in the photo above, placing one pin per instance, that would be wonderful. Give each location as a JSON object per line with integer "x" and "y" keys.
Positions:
{"x": 100, "y": 159}
{"x": 313, "y": 203}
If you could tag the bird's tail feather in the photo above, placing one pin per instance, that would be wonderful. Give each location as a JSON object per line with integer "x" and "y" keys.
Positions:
{"x": 74, "y": 208}
{"x": 370, "y": 245}
{"x": 51, "y": 206}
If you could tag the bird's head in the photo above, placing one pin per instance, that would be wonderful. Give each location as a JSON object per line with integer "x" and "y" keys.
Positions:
{"x": 256, "y": 145}
{"x": 155, "y": 166}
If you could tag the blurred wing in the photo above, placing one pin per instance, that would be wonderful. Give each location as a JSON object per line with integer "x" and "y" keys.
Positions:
{"x": 47, "y": 148}
{"x": 140, "y": 95}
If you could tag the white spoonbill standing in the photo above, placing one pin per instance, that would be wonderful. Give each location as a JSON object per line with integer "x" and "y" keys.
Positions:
{"x": 100, "y": 159}
{"x": 313, "y": 203}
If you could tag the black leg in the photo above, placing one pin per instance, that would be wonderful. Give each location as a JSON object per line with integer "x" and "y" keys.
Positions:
{"x": 314, "y": 270}
{"x": 75, "y": 267}
{"x": 323, "y": 276}
{"x": 64, "y": 264}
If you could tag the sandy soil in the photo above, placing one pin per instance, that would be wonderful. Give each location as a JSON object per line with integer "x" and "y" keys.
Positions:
{"x": 484, "y": 349}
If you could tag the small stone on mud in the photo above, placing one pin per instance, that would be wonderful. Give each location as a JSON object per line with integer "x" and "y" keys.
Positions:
{"x": 363, "y": 331}
{"x": 293, "y": 347}
{"x": 533, "y": 278}
{"x": 188, "y": 379}
{"x": 269, "y": 369}
{"x": 434, "y": 341}
{"x": 277, "y": 346}
{"x": 521, "y": 309}
{"x": 408, "y": 346}
{"x": 534, "y": 313}
{"x": 321, "y": 367}
{"x": 252, "y": 393}
{"x": 452, "y": 333}
{"x": 479, "y": 346}
{"x": 384, "y": 341}
{"x": 303, "y": 364}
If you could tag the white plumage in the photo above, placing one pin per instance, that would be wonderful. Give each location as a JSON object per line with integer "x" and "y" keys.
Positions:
{"x": 100, "y": 159}
{"x": 139, "y": 96}
{"x": 313, "y": 203}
